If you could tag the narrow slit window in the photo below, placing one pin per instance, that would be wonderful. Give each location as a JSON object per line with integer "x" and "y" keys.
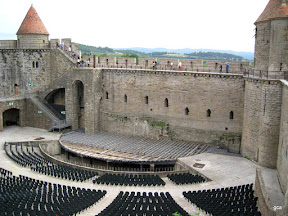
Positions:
{"x": 146, "y": 100}
{"x": 37, "y": 64}
{"x": 166, "y": 102}
{"x": 208, "y": 113}
{"x": 33, "y": 64}
{"x": 186, "y": 111}
{"x": 125, "y": 98}
{"x": 107, "y": 95}
{"x": 231, "y": 115}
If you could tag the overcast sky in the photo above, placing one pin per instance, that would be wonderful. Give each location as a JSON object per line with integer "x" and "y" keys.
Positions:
{"x": 195, "y": 24}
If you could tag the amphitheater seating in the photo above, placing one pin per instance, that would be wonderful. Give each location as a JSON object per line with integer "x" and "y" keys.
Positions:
{"x": 129, "y": 180}
{"x": 160, "y": 149}
{"x": 26, "y": 156}
{"x": 232, "y": 201}
{"x": 185, "y": 178}
{"x": 141, "y": 204}
{"x": 26, "y": 196}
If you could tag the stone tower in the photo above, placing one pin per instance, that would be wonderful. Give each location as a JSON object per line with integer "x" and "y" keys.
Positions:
{"x": 271, "y": 47}
{"x": 32, "y": 33}
{"x": 263, "y": 92}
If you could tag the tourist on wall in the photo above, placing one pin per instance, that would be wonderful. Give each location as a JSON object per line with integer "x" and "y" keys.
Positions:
{"x": 171, "y": 65}
{"x": 179, "y": 65}
{"x": 227, "y": 67}
{"x": 153, "y": 65}
{"x": 78, "y": 61}
{"x": 220, "y": 68}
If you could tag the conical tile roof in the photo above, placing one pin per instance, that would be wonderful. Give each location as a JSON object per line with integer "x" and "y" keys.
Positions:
{"x": 32, "y": 24}
{"x": 274, "y": 9}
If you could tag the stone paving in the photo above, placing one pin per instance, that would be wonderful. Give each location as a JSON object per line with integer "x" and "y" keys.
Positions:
{"x": 224, "y": 169}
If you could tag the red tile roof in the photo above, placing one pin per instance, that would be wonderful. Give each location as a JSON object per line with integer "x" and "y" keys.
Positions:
{"x": 32, "y": 24}
{"x": 274, "y": 9}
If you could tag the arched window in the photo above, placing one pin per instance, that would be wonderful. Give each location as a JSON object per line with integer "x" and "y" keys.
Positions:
{"x": 166, "y": 103}
{"x": 186, "y": 111}
{"x": 231, "y": 116}
{"x": 125, "y": 98}
{"x": 107, "y": 95}
{"x": 208, "y": 113}
{"x": 146, "y": 100}
{"x": 33, "y": 64}
{"x": 37, "y": 65}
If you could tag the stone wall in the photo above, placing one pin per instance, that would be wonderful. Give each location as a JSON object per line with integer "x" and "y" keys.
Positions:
{"x": 173, "y": 104}
{"x": 33, "y": 41}
{"x": 29, "y": 70}
{"x": 262, "y": 110}
{"x": 29, "y": 114}
{"x": 264, "y": 203}
{"x": 282, "y": 163}
{"x": 8, "y": 44}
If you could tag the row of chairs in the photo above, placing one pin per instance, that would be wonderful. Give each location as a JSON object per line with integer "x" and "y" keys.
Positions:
{"x": 143, "y": 204}
{"x": 30, "y": 158}
{"x": 26, "y": 196}
{"x": 185, "y": 178}
{"x": 232, "y": 201}
{"x": 129, "y": 180}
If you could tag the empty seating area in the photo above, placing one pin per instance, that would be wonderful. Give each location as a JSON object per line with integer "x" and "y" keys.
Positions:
{"x": 26, "y": 196}
{"x": 25, "y": 155}
{"x": 232, "y": 201}
{"x": 185, "y": 178}
{"x": 160, "y": 149}
{"x": 143, "y": 204}
{"x": 129, "y": 180}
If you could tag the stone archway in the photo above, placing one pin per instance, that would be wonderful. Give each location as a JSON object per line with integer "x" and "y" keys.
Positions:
{"x": 11, "y": 117}
{"x": 78, "y": 104}
{"x": 55, "y": 101}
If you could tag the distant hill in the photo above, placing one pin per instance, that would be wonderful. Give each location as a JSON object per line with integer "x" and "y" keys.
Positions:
{"x": 204, "y": 54}
{"x": 245, "y": 55}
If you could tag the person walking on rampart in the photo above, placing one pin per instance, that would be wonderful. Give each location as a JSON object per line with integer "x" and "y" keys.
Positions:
{"x": 179, "y": 65}
{"x": 220, "y": 68}
{"x": 227, "y": 67}
{"x": 78, "y": 61}
{"x": 153, "y": 65}
{"x": 171, "y": 65}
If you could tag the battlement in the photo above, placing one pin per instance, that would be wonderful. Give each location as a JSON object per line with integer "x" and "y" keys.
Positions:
{"x": 173, "y": 73}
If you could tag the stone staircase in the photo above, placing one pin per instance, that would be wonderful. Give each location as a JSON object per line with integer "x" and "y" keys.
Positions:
{"x": 57, "y": 124}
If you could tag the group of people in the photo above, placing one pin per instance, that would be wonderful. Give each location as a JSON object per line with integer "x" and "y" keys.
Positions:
{"x": 179, "y": 65}
{"x": 81, "y": 63}
{"x": 154, "y": 65}
{"x": 227, "y": 68}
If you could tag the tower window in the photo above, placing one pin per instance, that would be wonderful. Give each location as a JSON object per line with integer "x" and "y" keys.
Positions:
{"x": 186, "y": 111}
{"x": 231, "y": 116}
{"x": 166, "y": 103}
{"x": 33, "y": 64}
{"x": 146, "y": 100}
{"x": 281, "y": 66}
{"x": 107, "y": 95}
{"x": 125, "y": 98}
{"x": 37, "y": 65}
{"x": 208, "y": 114}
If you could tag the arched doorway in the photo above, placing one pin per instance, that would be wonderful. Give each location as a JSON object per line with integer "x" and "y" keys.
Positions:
{"x": 11, "y": 117}
{"x": 79, "y": 103}
{"x": 55, "y": 101}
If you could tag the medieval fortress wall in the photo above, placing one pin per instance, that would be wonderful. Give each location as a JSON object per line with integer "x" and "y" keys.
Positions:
{"x": 242, "y": 113}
